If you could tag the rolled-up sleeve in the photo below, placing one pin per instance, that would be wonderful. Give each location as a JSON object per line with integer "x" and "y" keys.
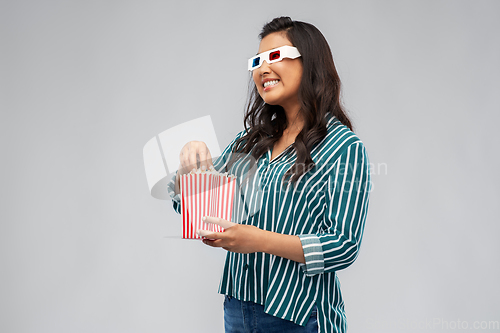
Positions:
{"x": 176, "y": 198}
{"x": 345, "y": 213}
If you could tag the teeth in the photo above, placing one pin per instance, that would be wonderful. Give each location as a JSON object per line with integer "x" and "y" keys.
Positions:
{"x": 270, "y": 83}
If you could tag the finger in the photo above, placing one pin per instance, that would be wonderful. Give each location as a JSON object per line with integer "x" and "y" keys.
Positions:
{"x": 209, "y": 159}
{"x": 184, "y": 158}
{"x": 221, "y": 222}
{"x": 203, "y": 160}
{"x": 192, "y": 158}
{"x": 208, "y": 234}
{"x": 214, "y": 243}
{"x": 185, "y": 165}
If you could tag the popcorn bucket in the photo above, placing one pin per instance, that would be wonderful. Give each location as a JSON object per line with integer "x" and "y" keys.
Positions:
{"x": 205, "y": 193}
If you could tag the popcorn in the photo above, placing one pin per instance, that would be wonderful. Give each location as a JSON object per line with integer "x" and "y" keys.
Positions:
{"x": 205, "y": 193}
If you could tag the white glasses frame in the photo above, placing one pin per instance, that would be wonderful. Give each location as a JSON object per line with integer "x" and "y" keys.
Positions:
{"x": 286, "y": 51}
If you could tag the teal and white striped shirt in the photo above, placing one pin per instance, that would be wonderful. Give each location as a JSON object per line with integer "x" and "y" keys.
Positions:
{"x": 326, "y": 208}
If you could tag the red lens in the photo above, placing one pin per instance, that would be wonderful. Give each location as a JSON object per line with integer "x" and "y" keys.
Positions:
{"x": 274, "y": 55}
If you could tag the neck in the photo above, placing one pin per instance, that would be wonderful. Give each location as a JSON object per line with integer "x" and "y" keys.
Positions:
{"x": 294, "y": 119}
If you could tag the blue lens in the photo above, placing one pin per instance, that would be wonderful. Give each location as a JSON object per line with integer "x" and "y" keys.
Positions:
{"x": 256, "y": 62}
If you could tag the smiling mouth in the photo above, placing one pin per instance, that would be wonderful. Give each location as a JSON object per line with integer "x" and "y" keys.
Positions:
{"x": 270, "y": 83}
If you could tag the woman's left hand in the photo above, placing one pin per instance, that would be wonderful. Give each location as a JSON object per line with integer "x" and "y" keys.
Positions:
{"x": 236, "y": 237}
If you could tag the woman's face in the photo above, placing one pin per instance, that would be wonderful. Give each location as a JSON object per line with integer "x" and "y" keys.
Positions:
{"x": 285, "y": 74}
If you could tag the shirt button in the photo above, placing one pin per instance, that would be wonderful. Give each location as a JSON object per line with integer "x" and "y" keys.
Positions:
{"x": 245, "y": 266}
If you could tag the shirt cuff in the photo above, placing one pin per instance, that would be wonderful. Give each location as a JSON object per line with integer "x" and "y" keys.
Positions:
{"x": 313, "y": 254}
{"x": 176, "y": 198}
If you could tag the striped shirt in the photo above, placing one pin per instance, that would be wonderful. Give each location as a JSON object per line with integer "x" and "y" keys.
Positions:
{"x": 326, "y": 208}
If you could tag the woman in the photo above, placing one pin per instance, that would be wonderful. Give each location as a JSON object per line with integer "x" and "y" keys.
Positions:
{"x": 300, "y": 211}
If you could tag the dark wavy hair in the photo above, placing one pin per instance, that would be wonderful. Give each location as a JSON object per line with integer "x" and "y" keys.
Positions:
{"x": 319, "y": 94}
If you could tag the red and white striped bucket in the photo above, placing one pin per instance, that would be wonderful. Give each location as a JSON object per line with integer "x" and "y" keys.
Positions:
{"x": 205, "y": 193}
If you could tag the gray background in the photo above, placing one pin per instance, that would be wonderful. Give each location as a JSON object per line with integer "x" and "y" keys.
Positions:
{"x": 85, "y": 84}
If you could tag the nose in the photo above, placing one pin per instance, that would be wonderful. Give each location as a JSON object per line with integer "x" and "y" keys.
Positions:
{"x": 265, "y": 68}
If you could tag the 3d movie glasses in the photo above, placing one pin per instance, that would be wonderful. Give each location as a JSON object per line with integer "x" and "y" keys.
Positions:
{"x": 273, "y": 56}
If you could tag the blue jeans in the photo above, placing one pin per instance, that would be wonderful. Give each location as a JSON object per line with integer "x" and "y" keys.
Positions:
{"x": 249, "y": 317}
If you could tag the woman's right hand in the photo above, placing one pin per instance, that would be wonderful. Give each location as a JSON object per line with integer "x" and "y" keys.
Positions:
{"x": 194, "y": 155}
